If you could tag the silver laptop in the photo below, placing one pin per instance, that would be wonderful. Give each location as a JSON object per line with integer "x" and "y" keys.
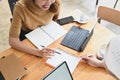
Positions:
{"x": 61, "y": 72}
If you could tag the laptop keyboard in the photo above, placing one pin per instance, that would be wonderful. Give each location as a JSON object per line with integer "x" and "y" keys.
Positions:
{"x": 75, "y": 37}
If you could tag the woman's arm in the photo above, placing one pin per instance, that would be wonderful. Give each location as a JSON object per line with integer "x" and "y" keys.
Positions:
{"x": 18, "y": 45}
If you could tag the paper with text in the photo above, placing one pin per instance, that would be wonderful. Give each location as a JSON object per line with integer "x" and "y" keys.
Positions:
{"x": 45, "y": 35}
{"x": 71, "y": 59}
{"x": 112, "y": 56}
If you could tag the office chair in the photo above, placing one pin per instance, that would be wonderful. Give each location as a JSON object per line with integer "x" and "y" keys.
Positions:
{"x": 108, "y": 14}
{"x": 113, "y": 6}
{"x": 11, "y": 5}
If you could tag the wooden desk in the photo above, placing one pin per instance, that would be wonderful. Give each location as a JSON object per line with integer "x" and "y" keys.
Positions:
{"x": 37, "y": 68}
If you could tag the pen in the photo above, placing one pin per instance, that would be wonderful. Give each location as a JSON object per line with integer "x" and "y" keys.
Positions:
{"x": 42, "y": 46}
{"x": 55, "y": 50}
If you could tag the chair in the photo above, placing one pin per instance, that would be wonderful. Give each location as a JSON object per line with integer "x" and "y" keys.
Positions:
{"x": 108, "y": 14}
{"x": 11, "y": 4}
{"x": 113, "y": 6}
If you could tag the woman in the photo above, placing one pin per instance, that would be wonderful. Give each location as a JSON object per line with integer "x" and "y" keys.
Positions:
{"x": 28, "y": 15}
{"x": 111, "y": 59}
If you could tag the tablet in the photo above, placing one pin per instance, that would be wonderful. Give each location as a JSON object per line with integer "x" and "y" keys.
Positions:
{"x": 61, "y": 72}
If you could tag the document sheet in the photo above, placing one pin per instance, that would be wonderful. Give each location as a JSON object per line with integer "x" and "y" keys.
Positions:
{"x": 58, "y": 58}
{"x": 45, "y": 35}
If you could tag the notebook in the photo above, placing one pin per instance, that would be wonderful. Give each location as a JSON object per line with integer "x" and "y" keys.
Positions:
{"x": 61, "y": 72}
{"x": 60, "y": 56}
{"x": 45, "y": 35}
{"x": 77, "y": 38}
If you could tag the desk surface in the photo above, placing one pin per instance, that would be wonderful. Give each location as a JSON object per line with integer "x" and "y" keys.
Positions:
{"x": 37, "y": 68}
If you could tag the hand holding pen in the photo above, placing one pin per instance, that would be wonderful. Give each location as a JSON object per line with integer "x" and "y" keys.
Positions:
{"x": 45, "y": 52}
{"x": 54, "y": 50}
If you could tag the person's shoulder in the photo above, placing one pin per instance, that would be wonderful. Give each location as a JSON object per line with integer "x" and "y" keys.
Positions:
{"x": 19, "y": 6}
{"x": 20, "y": 3}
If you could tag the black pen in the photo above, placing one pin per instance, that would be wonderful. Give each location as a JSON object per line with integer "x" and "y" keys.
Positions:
{"x": 42, "y": 46}
{"x": 55, "y": 51}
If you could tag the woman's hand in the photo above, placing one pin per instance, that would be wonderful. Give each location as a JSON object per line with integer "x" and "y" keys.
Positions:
{"x": 45, "y": 52}
{"x": 92, "y": 60}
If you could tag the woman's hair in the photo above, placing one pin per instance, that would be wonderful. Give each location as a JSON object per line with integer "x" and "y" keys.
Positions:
{"x": 54, "y": 7}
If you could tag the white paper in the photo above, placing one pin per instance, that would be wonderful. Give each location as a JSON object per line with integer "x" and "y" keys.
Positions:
{"x": 45, "y": 35}
{"x": 112, "y": 56}
{"x": 54, "y": 29}
{"x": 39, "y": 37}
{"x": 71, "y": 60}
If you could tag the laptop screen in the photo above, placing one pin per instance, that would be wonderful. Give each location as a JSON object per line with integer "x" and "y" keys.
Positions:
{"x": 61, "y": 72}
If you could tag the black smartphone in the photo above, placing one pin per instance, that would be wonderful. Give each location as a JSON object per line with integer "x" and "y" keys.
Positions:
{"x": 65, "y": 20}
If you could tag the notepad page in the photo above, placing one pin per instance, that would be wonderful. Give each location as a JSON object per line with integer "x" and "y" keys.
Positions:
{"x": 38, "y": 37}
{"x": 71, "y": 60}
{"x": 45, "y": 35}
{"x": 54, "y": 30}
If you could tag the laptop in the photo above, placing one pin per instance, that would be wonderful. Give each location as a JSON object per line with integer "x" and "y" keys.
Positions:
{"x": 61, "y": 72}
{"x": 77, "y": 38}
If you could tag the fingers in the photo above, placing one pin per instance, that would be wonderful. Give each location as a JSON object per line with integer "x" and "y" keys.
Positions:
{"x": 47, "y": 55}
{"x": 87, "y": 57}
{"x": 91, "y": 60}
{"x": 47, "y": 52}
